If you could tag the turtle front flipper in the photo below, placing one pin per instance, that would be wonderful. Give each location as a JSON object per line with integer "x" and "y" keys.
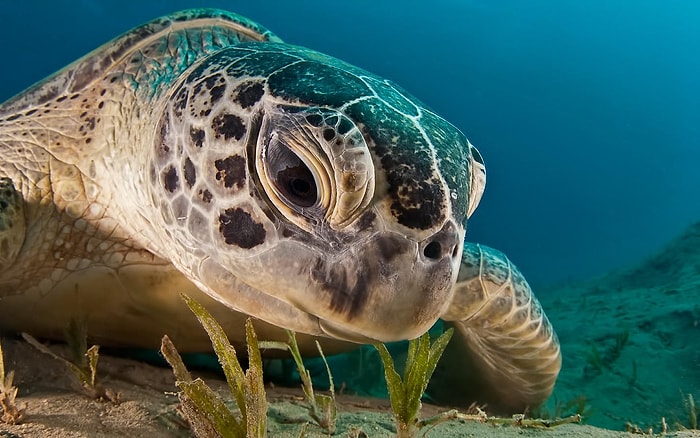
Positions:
{"x": 507, "y": 354}
{"x": 13, "y": 226}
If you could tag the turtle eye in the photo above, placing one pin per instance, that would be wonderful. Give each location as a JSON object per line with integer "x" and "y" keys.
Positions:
{"x": 313, "y": 166}
{"x": 291, "y": 176}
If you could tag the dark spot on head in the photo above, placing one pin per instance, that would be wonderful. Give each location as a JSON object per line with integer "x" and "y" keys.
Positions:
{"x": 13, "y": 117}
{"x": 206, "y": 195}
{"x": 248, "y": 94}
{"x": 61, "y": 99}
{"x": 197, "y": 136}
{"x": 212, "y": 80}
{"x": 217, "y": 93}
{"x": 207, "y": 83}
{"x": 228, "y": 126}
{"x": 366, "y": 220}
{"x": 100, "y": 105}
{"x": 164, "y": 126}
{"x": 348, "y": 285}
{"x": 239, "y": 228}
{"x": 418, "y": 197}
{"x": 170, "y": 179}
{"x": 345, "y": 126}
{"x": 163, "y": 146}
{"x": 231, "y": 170}
{"x": 329, "y": 134}
{"x": 190, "y": 172}
{"x": 315, "y": 120}
{"x": 180, "y": 101}
{"x": 390, "y": 247}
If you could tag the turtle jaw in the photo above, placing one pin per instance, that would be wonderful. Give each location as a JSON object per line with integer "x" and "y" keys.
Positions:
{"x": 388, "y": 288}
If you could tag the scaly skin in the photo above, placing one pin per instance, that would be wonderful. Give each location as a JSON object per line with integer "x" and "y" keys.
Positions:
{"x": 68, "y": 146}
{"x": 508, "y": 341}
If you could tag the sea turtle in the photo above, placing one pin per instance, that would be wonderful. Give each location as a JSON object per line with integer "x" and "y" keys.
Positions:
{"x": 198, "y": 153}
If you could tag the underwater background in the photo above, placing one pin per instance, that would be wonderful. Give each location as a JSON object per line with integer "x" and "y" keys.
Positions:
{"x": 587, "y": 114}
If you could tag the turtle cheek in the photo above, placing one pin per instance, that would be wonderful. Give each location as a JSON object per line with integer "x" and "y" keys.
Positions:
{"x": 260, "y": 302}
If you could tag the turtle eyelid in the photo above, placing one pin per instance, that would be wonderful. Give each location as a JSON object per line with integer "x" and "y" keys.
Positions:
{"x": 477, "y": 180}
{"x": 476, "y": 155}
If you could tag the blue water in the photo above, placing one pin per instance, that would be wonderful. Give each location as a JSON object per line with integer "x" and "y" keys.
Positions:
{"x": 586, "y": 112}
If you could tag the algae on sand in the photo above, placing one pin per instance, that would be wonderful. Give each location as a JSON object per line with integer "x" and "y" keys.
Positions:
{"x": 405, "y": 393}
{"x": 10, "y": 411}
{"x": 204, "y": 409}
{"x": 322, "y": 408}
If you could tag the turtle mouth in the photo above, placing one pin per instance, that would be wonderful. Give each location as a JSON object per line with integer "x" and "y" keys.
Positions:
{"x": 337, "y": 331}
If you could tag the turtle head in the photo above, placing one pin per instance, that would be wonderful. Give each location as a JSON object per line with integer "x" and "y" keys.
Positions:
{"x": 304, "y": 191}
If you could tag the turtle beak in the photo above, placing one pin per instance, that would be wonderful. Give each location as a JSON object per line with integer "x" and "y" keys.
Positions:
{"x": 394, "y": 290}
{"x": 339, "y": 332}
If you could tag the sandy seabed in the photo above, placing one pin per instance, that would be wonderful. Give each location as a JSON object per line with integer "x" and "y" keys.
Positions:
{"x": 147, "y": 408}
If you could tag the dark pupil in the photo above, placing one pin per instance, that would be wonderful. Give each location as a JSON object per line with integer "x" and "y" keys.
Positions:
{"x": 297, "y": 184}
{"x": 299, "y": 187}
{"x": 291, "y": 176}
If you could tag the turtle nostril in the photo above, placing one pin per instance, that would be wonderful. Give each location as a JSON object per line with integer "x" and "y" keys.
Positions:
{"x": 433, "y": 250}
{"x": 443, "y": 244}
